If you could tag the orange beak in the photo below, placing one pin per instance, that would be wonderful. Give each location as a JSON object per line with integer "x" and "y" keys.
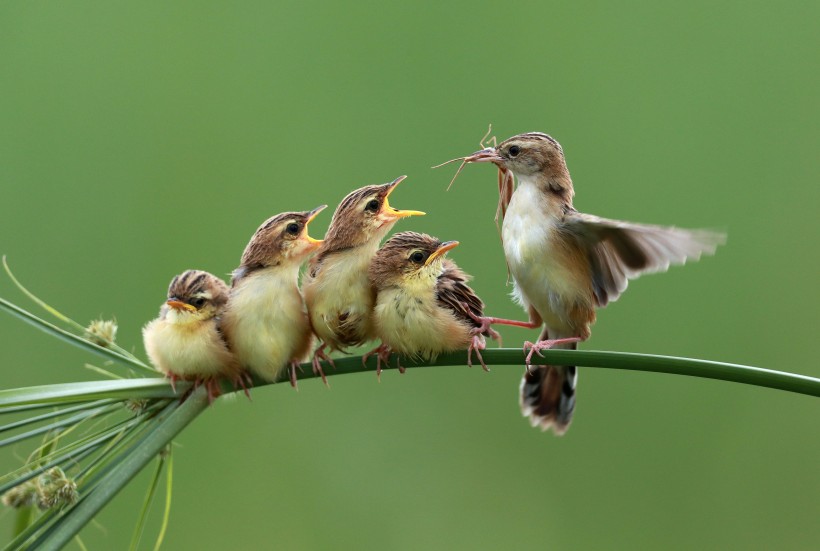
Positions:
{"x": 389, "y": 211}
{"x": 311, "y": 215}
{"x": 442, "y": 249}
{"x": 179, "y": 305}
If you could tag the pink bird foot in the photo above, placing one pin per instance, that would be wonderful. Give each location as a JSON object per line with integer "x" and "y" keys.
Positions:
{"x": 537, "y": 347}
{"x": 477, "y": 344}
{"x": 294, "y": 365}
{"x": 382, "y": 353}
{"x": 318, "y": 356}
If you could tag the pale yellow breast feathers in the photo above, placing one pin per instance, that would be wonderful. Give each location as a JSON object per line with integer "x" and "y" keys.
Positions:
{"x": 411, "y": 322}
{"x": 341, "y": 290}
{"x": 265, "y": 321}
{"x": 188, "y": 350}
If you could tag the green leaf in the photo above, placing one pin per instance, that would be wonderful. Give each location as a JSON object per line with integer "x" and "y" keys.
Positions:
{"x": 71, "y": 421}
{"x": 146, "y": 504}
{"x": 121, "y": 389}
{"x": 60, "y": 316}
{"x": 71, "y": 338}
{"x": 169, "y": 484}
{"x": 52, "y": 414}
{"x": 133, "y": 460}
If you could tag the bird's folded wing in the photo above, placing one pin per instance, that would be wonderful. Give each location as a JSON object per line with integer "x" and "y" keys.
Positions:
{"x": 453, "y": 293}
{"x": 620, "y": 251}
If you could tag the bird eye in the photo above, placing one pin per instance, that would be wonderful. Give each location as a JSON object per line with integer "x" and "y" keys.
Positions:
{"x": 372, "y": 205}
{"x": 417, "y": 257}
{"x": 198, "y": 302}
{"x": 514, "y": 151}
{"x": 293, "y": 228}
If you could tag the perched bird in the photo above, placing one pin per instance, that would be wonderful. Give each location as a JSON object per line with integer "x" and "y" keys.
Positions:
{"x": 185, "y": 342}
{"x": 337, "y": 292}
{"x": 564, "y": 263}
{"x": 265, "y": 322}
{"x": 423, "y": 304}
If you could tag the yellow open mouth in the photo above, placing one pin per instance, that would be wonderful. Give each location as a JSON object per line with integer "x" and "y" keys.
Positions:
{"x": 394, "y": 212}
{"x": 311, "y": 215}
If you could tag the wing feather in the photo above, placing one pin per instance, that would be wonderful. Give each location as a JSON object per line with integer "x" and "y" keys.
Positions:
{"x": 620, "y": 251}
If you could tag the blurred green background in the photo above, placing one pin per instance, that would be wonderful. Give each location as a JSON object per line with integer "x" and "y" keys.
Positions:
{"x": 141, "y": 139}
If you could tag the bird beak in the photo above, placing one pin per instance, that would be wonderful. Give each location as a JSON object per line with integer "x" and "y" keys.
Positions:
{"x": 311, "y": 215}
{"x": 389, "y": 211}
{"x": 488, "y": 155}
{"x": 179, "y": 305}
{"x": 443, "y": 248}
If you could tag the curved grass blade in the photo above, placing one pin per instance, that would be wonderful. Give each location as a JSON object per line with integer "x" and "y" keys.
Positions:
{"x": 132, "y": 461}
{"x": 169, "y": 484}
{"x": 120, "y": 389}
{"x": 51, "y": 415}
{"x": 737, "y": 373}
{"x": 57, "y": 314}
{"x": 146, "y": 504}
{"x": 73, "y": 420}
{"x": 71, "y": 338}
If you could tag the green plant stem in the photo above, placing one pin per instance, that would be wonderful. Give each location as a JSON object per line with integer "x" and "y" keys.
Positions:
{"x": 737, "y": 373}
{"x": 134, "y": 459}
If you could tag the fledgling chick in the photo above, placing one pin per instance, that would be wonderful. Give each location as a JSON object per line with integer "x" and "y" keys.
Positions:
{"x": 565, "y": 264}
{"x": 265, "y": 322}
{"x": 337, "y": 292}
{"x": 185, "y": 342}
{"x": 423, "y": 304}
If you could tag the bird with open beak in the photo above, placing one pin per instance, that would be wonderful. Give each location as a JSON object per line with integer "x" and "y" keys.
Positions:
{"x": 337, "y": 292}
{"x": 265, "y": 321}
{"x": 185, "y": 342}
{"x": 565, "y": 264}
{"x": 423, "y": 304}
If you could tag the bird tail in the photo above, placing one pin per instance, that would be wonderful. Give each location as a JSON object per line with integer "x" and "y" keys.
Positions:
{"x": 548, "y": 394}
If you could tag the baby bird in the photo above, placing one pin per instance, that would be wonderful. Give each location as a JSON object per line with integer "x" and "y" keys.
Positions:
{"x": 565, "y": 264}
{"x": 423, "y": 305}
{"x": 184, "y": 342}
{"x": 265, "y": 322}
{"x": 337, "y": 292}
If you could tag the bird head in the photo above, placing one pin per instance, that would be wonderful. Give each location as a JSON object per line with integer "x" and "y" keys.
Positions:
{"x": 407, "y": 258}
{"x": 524, "y": 154}
{"x": 365, "y": 216}
{"x": 282, "y": 239}
{"x": 195, "y": 295}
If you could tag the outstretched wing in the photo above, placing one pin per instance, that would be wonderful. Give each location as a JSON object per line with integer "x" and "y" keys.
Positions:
{"x": 620, "y": 251}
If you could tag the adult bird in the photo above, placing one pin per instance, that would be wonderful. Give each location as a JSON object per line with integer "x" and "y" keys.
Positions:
{"x": 565, "y": 264}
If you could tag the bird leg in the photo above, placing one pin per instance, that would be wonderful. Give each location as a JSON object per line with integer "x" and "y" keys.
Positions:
{"x": 477, "y": 344}
{"x": 212, "y": 386}
{"x": 484, "y": 323}
{"x": 239, "y": 381}
{"x": 173, "y": 380}
{"x": 382, "y": 355}
{"x": 294, "y": 365}
{"x": 537, "y": 347}
{"x": 318, "y": 356}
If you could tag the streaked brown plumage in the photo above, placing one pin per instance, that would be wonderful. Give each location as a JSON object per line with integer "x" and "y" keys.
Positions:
{"x": 565, "y": 263}
{"x": 265, "y": 321}
{"x": 337, "y": 292}
{"x": 185, "y": 342}
{"x": 424, "y": 306}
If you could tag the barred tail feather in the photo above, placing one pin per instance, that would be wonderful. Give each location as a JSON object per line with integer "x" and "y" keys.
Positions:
{"x": 548, "y": 395}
